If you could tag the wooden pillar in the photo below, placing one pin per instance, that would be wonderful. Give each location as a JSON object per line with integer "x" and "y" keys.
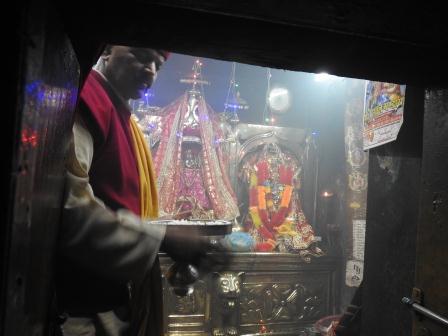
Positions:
{"x": 392, "y": 216}
{"x": 432, "y": 240}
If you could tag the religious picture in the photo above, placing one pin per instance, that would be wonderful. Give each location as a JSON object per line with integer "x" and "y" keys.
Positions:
{"x": 383, "y": 113}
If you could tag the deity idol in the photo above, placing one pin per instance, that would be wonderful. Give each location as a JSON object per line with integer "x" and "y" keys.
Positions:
{"x": 275, "y": 218}
{"x": 192, "y": 181}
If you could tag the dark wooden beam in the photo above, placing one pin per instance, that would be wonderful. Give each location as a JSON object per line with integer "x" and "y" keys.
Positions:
{"x": 419, "y": 23}
{"x": 276, "y": 41}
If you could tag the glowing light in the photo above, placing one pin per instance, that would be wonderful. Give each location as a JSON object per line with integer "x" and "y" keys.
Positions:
{"x": 327, "y": 193}
{"x": 236, "y": 106}
{"x": 322, "y": 77}
{"x": 29, "y": 137}
{"x": 279, "y": 99}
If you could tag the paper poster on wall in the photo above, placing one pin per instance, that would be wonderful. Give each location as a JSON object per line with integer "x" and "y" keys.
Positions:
{"x": 383, "y": 113}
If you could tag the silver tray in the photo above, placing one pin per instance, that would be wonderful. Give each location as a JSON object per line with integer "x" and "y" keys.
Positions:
{"x": 203, "y": 227}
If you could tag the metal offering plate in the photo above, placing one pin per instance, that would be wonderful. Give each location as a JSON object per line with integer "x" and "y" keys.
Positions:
{"x": 205, "y": 227}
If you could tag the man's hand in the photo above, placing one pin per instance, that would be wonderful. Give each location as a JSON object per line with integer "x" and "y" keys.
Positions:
{"x": 188, "y": 246}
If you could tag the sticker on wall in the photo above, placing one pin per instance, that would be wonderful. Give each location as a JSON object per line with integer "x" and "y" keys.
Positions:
{"x": 357, "y": 181}
{"x": 356, "y": 156}
{"x": 359, "y": 237}
{"x": 383, "y": 113}
{"x": 353, "y": 273}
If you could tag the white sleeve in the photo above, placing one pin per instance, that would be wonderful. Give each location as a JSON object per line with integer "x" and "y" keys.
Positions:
{"x": 115, "y": 244}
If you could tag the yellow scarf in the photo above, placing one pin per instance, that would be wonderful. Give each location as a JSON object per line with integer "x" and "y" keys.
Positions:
{"x": 148, "y": 191}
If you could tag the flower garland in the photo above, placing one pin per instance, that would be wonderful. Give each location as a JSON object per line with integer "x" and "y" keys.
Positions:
{"x": 261, "y": 205}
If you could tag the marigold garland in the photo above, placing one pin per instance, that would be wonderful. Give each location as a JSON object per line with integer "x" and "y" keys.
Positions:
{"x": 261, "y": 206}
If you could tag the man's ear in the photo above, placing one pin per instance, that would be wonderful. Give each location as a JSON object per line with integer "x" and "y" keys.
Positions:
{"x": 104, "y": 57}
{"x": 106, "y": 52}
